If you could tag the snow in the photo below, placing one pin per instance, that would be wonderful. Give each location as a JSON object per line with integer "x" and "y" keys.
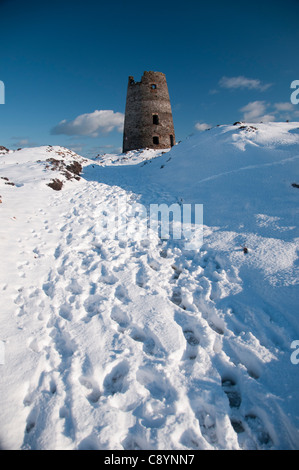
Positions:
{"x": 137, "y": 342}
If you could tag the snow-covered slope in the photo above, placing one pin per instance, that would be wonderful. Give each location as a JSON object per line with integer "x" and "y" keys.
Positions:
{"x": 139, "y": 343}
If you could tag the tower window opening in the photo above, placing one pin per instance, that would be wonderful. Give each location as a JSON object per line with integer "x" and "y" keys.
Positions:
{"x": 156, "y": 140}
{"x": 155, "y": 119}
{"x": 171, "y": 140}
{"x": 153, "y": 86}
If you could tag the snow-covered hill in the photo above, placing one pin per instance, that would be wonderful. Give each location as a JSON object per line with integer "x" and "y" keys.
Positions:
{"x": 136, "y": 342}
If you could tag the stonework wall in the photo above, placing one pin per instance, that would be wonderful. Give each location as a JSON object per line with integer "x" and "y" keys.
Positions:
{"x": 145, "y": 99}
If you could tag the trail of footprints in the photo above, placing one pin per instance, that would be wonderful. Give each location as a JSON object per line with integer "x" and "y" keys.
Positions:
{"x": 249, "y": 427}
{"x": 59, "y": 301}
{"x": 115, "y": 381}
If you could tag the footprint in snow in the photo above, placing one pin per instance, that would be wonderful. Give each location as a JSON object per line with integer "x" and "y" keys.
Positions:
{"x": 93, "y": 306}
{"x": 231, "y": 390}
{"x": 65, "y": 312}
{"x": 57, "y": 252}
{"x": 48, "y": 288}
{"x": 121, "y": 294}
{"x": 107, "y": 277}
{"x": 158, "y": 386}
{"x": 69, "y": 239}
{"x": 208, "y": 427}
{"x": 94, "y": 392}
{"x": 142, "y": 277}
{"x": 74, "y": 287}
{"x": 163, "y": 253}
{"x": 31, "y": 420}
{"x": 116, "y": 380}
{"x": 149, "y": 344}
{"x": 176, "y": 297}
{"x": 154, "y": 265}
{"x": 120, "y": 317}
{"x": 177, "y": 273}
{"x": 258, "y": 431}
{"x": 191, "y": 338}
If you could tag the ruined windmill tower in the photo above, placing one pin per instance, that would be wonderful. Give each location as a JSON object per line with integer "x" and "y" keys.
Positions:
{"x": 148, "y": 116}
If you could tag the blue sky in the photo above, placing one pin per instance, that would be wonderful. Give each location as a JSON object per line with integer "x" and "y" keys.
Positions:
{"x": 70, "y": 60}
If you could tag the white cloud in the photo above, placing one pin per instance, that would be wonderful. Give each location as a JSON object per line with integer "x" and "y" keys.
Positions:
{"x": 243, "y": 82}
{"x": 202, "y": 126}
{"x": 214, "y": 91}
{"x": 22, "y": 142}
{"x": 255, "y": 112}
{"x": 284, "y": 106}
{"x": 91, "y": 124}
{"x": 77, "y": 147}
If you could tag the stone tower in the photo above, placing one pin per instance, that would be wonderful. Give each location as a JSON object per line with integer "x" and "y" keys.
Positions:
{"x": 148, "y": 116}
